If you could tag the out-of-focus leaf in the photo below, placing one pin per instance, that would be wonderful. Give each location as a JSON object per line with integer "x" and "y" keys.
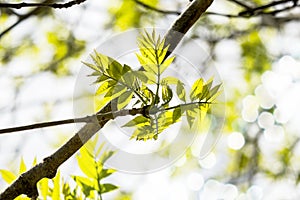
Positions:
{"x": 86, "y": 163}
{"x": 56, "y": 187}
{"x": 107, "y": 187}
{"x": 124, "y": 99}
{"x": 22, "y": 166}
{"x": 7, "y": 176}
{"x": 44, "y": 187}
{"x": 86, "y": 184}
{"x": 180, "y": 90}
{"x": 137, "y": 121}
{"x": 255, "y": 56}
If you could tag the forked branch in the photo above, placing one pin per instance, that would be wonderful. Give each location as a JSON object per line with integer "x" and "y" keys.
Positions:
{"x": 26, "y": 183}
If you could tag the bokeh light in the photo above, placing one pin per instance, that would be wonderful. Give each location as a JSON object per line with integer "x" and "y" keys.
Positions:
{"x": 195, "y": 181}
{"x": 209, "y": 161}
{"x": 235, "y": 141}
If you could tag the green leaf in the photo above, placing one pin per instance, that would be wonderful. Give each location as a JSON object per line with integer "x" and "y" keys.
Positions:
{"x": 148, "y": 94}
{"x": 7, "y": 176}
{"x": 144, "y": 133}
{"x": 115, "y": 91}
{"x": 43, "y": 186}
{"x": 101, "y": 102}
{"x": 92, "y": 66}
{"x": 205, "y": 90}
{"x": 22, "y": 166}
{"x": 102, "y": 78}
{"x": 191, "y": 116}
{"x": 86, "y": 184}
{"x": 167, "y": 94}
{"x": 170, "y": 80}
{"x": 126, "y": 68}
{"x": 105, "y": 156}
{"x": 148, "y": 66}
{"x": 86, "y": 163}
{"x": 166, "y": 64}
{"x": 162, "y": 51}
{"x": 180, "y": 90}
{"x": 177, "y": 113}
{"x": 128, "y": 79}
{"x": 196, "y": 89}
{"x": 107, "y": 187}
{"x": 213, "y": 92}
{"x": 152, "y": 54}
{"x": 137, "y": 121}
{"x": 56, "y": 187}
{"x": 103, "y": 88}
{"x": 102, "y": 61}
{"x": 124, "y": 99}
{"x": 145, "y": 77}
{"x": 115, "y": 69}
{"x": 106, "y": 172}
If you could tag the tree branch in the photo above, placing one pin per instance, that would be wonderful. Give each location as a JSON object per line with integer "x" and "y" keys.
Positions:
{"x": 21, "y": 19}
{"x": 247, "y": 13}
{"x": 51, "y": 5}
{"x": 258, "y": 9}
{"x": 168, "y": 12}
{"x": 26, "y": 183}
{"x": 240, "y": 4}
{"x": 86, "y": 119}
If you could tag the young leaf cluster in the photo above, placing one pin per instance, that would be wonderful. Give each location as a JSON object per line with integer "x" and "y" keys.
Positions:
{"x": 89, "y": 186}
{"x": 150, "y": 88}
{"x": 94, "y": 172}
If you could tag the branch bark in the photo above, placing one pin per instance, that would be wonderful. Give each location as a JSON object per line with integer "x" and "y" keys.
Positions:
{"x": 26, "y": 183}
{"x": 51, "y": 5}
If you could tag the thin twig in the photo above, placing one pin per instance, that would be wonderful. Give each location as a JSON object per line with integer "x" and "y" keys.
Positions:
{"x": 21, "y": 19}
{"x": 240, "y": 4}
{"x": 168, "y": 12}
{"x": 51, "y": 5}
{"x": 263, "y": 7}
{"x": 86, "y": 119}
{"x": 224, "y": 15}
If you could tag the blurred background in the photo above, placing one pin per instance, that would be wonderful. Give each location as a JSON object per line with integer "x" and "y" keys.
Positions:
{"x": 254, "y": 46}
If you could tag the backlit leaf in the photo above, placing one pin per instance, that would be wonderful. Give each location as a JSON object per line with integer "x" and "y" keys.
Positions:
{"x": 124, "y": 99}
{"x": 107, "y": 187}
{"x": 177, "y": 114}
{"x": 166, "y": 64}
{"x": 7, "y": 176}
{"x": 196, "y": 89}
{"x": 56, "y": 187}
{"x": 86, "y": 163}
{"x": 137, "y": 121}
{"x": 180, "y": 90}
{"x": 22, "y": 166}
{"x": 167, "y": 94}
{"x": 105, "y": 86}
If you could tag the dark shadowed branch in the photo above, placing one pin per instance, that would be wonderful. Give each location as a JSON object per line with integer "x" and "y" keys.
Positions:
{"x": 35, "y": 11}
{"x": 168, "y": 12}
{"x": 51, "y": 5}
{"x": 247, "y": 12}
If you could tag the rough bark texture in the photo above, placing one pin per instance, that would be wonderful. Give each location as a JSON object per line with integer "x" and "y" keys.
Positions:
{"x": 27, "y": 182}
